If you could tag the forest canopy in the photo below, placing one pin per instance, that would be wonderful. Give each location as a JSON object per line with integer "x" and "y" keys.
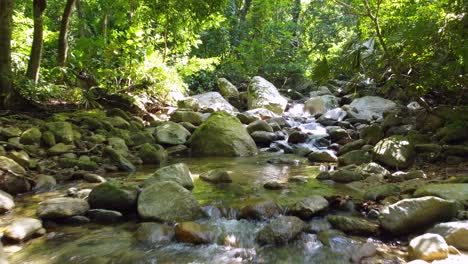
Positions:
{"x": 64, "y": 49}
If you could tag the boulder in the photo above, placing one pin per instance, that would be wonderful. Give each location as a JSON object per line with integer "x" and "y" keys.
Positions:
{"x": 171, "y": 133}
{"x": 263, "y": 94}
{"x": 395, "y": 152}
{"x": 216, "y": 176}
{"x": 337, "y": 133}
{"x": 454, "y": 233}
{"x": 448, "y": 191}
{"x": 118, "y": 159}
{"x": 80, "y": 164}
{"x": 154, "y": 233}
{"x": 9, "y": 132}
{"x": 409, "y": 215}
{"x": 356, "y": 157}
{"x": 11, "y": 166}
{"x": 369, "y": 169}
{"x": 263, "y": 138}
{"x": 222, "y": 135}
{"x": 191, "y": 117}
{"x": 49, "y": 138}
{"x": 382, "y": 191}
{"x": 119, "y": 145}
{"x": 31, "y": 136}
{"x": 353, "y": 225}
{"x": 371, "y": 134}
{"x": 321, "y": 104}
{"x": 169, "y": 202}
{"x": 152, "y": 154}
{"x": 58, "y": 208}
{"x": 189, "y": 103}
{"x": 193, "y": 233}
{"x": 260, "y": 210}
{"x": 308, "y": 207}
{"x": 371, "y": 107}
{"x": 142, "y": 137}
{"x": 322, "y": 156}
{"x": 215, "y": 102}
{"x": 346, "y": 174}
{"x": 63, "y": 131}
{"x": 6, "y": 202}
{"x": 22, "y": 228}
{"x": 428, "y": 247}
{"x": 259, "y": 125}
{"x": 281, "y": 230}
{"x": 355, "y": 145}
{"x": 179, "y": 173}
{"x": 227, "y": 89}
{"x": 113, "y": 196}
{"x": 298, "y": 137}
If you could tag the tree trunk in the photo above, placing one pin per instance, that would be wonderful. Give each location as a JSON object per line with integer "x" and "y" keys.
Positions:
{"x": 245, "y": 10}
{"x": 36, "y": 50}
{"x": 6, "y": 19}
{"x": 81, "y": 18}
{"x": 62, "y": 41}
{"x": 104, "y": 28}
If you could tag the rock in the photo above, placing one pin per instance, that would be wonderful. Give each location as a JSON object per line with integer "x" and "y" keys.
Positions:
{"x": 371, "y": 107}
{"x": 171, "y": 133}
{"x": 409, "y": 215}
{"x": 169, "y": 202}
{"x": 113, "y": 196}
{"x": 275, "y": 185}
{"x": 6, "y": 202}
{"x": 369, "y": 249}
{"x": 395, "y": 151}
{"x": 63, "y": 131}
{"x": 337, "y": 114}
{"x": 216, "y": 176}
{"x": 321, "y": 104}
{"x": 222, "y": 135}
{"x": 31, "y": 136}
{"x": 322, "y": 156}
{"x": 215, "y": 102}
{"x": 281, "y": 230}
{"x": 337, "y": 133}
{"x": 21, "y": 157}
{"x": 371, "y": 134}
{"x": 356, "y": 157}
{"x": 263, "y": 94}
{"x": 87, "y": 165}
{"x": 297, "y": 137}
{"x": 193, "y": 233}
{"x": 60, "y": 148}
{"x": 263, "y": 138}
{"x": 119, "y": 160}
{"x": 22, "y": 228}
{"x": 103, "y": 216}
{"x": 454, "y": 233}
{"x": 119, "y": 145}
{"x": 154, "y": 233}
{"x": 452, "y": 134}
{"x": 14, "y": 184}
{"x": 261, "y": 210}
{"x": 58, "y": 208}
{"x": 227, "y": 89}
{"x": 93, "y": 178}
{"x": 259, "y": 125}
{"x": 428, "y": 247}
{"x": 11, "y": 166}
{"x": 49, "y": 138}
{"x": 346, "y": 174}
{"x": 117, "y": 121}
{"x": 187, "y": 116}
{"x": 152, "y": 154}
{"x": 246, "y": 118}
{"x": 369, "y": 169}
{"x": 308, "y": 207}
{"x": 353, "y": 225}
{"x": 355, "y": 145}
{"x": 382, "y": 191}
{"x": 9, "y": 132}
{"x": 142, "y": 137}
{"x": 177, "y": 150}
{"x": 448, "y": 191}
{"x": 179, "y": 173}
{"x": 190, "y": 127}
{"x": 45, "y": 183}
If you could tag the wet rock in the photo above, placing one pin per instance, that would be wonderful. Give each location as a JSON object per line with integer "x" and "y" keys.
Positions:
{"x": 216, "y": 176}
{"x": 322, "y": 156}
{"x": 113, "y": 196}
{"x": 356, "y": 157}
{"x": 222, "y": 135}
{"x": 63, "y": 131}
{"x": 281, "y": 230}
{"x": 154, "y": 233}
{"x": 6, "y": 202}
{"x": 77, "y": 220}
{"x": 22, "y": 228}
{"x": 353, "y": 225}
{"x": 58, "y": 208}
{"x": 152, "y": 154}
{"x": 428, "y": 247}
{"x": 103, "y": 216}
{"x": 297, "y": 137}
{"x": 395, "y": 152}
{"x": 15, "y": 184}
{"x": 260, "y": 210}
{"x": 400, "y": 176}
{"x": 321, "y": 104}
{"x": 193, "y": 233}
{"x": 409, "y": 215}
{"x": 191, "y": 117}
{"x": 275, "y": 185}
{"x": 21, "y": 157}
{"x": 299, "y": 179}
{"x": 263, "y": 94}
{"x": 179, "y": 173}
{"x": 369, "y": 249}
{"x": 336, "y": 114}
{"x": 382, "y": 191}
{"x": 214, "y": 101}
{"x": 263, "y": 138}
{"x": 171, "y": 133}
{"x": 11, "y": 166}
{"x": 448, "y": 191}
{"x": 355, "y": 145}
{"x": 454, "y": 233}
{"x": 93, "y": 178}
{"x": 371, "y": 134}
{"x": 371, "y": 107}
{"x": 337, "y": 133}
{"x": 308, "y": 207}
{"x": 31, "y": 136}
{"x": 227, "y": 89}
{"x": 45, "y": 183}
{"x": 259, "y": 125}
{"x": 247, "y": 118}
{"x": 118, "y": 159}
{"x": 168, "y": 201}
{"x": 177, "y": 150}
{"x": 76, "y": 193}
{"x": 346, "y": 174}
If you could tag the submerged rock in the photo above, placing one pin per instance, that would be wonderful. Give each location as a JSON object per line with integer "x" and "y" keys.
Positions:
{"x": 428, "y": 247}
{"x": 169, "y": 202}
{"x": 193, "y": 233}
{"x": 179, "y": 173}
{"x": 103, "y": 216}
{"x": 59, "y": 208}
{"x": 222, "y": 135}
{"x": 263, "y": 94}
{"x": 281, "y": 230}
{"x": 409, "y": 215}
{"x": 154, "y": 233}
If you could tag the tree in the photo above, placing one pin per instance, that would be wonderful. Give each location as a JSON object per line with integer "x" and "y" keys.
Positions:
{"x": 6, "y": 15}
{"x": 62, "y": 41}
{"x": 36, "y": 50}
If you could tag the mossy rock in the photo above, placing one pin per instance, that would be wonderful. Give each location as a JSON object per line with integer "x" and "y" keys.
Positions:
{"x": 80, "y": 164}
{"x": 31, "y": 136}
{"x": 152, "y": 154}
{"x": 222, "y": 135}
{"x": 49, "y": 139}
{"x": 63, "y": 131}
{"x": 113, "y": 196}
